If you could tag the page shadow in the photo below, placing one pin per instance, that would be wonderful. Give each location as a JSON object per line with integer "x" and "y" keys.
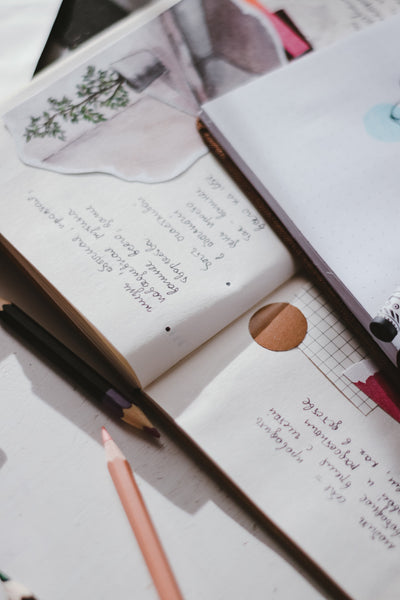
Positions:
{"x": 3, "y": 458}
{"x": 172, "y": 465}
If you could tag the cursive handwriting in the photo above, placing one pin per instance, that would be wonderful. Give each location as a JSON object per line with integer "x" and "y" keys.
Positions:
{"x": 313, "y": 408}
{"x": 280, "y": 444}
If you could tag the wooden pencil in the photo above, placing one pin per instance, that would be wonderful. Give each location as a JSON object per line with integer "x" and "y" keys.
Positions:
{"x": 74, "y": 367}
{"x": 140, "y": 521}
{"x": 15, "y": 590}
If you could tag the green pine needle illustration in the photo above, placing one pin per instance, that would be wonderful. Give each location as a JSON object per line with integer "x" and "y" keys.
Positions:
{"x": 99, "y": 88}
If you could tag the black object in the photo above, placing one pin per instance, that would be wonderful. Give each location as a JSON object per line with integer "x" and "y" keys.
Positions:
{"x": 383, "y": 329}
{"x": 74, "y": 367}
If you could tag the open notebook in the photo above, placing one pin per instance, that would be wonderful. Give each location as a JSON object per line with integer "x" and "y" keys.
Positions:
{"x": 153, "y": 261}
{"x": 150, "y": 248}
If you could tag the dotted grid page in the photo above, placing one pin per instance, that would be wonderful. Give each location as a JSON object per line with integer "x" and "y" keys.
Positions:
{"x": 330, "y": 346}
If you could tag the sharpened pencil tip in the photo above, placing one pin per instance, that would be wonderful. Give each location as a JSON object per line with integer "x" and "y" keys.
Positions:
{"x": 152, "y": 431}
{"x": 106, "y": 437}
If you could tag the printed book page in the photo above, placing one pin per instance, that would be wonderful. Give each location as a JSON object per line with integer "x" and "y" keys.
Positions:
{"x": 118, "y": 204}
{"x": 326, "y": 22}
{"x": 324, "y": 157}
{"x": 315, "y": 454}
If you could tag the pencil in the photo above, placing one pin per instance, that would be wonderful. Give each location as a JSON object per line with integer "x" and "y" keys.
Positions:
{"x": 80, "y": 372}
{"x": 15, "y": 590}
{"x": 140, "y": 521}
{"x": 293, "y": 43}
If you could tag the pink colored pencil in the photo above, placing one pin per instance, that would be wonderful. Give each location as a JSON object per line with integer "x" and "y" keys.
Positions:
{"x": 292, "y": 42}
{"x": 140, "y": 521}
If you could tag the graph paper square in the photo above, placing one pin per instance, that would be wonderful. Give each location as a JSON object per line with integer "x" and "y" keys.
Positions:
{"x": 330, "y": 346}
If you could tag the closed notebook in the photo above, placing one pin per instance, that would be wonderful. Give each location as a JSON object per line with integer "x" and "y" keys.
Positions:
{"x": 319, "y": 142}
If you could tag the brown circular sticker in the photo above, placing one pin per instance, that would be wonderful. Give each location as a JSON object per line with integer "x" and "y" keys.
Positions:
{"x": 278, "y": 326}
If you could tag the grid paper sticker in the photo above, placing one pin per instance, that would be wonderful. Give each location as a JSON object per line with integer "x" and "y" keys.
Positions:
{"x": 330, "y": 346}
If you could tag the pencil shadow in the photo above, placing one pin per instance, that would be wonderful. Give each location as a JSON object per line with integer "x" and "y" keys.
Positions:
{"x": 178, "y": 470}
{"x": 172, "y": 465}
{"x": 168, "y": 465}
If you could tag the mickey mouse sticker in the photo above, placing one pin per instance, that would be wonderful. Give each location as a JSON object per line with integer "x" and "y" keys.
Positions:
{"x": 386, "y": 325}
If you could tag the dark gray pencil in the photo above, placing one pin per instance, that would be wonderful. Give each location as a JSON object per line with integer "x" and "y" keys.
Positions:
{"x": 73, "y": 366}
